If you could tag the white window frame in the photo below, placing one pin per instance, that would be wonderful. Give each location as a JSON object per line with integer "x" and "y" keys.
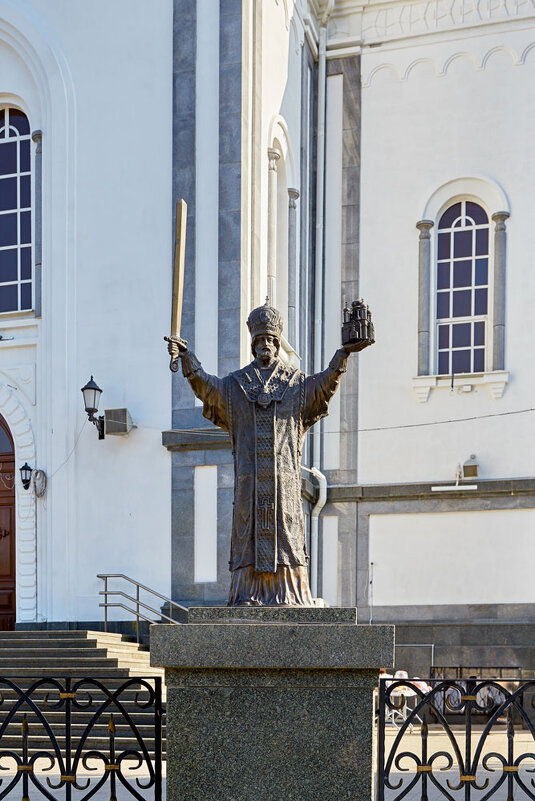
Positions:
{"x": 19, "y": 312}
{"x": 486, "y": 318}
{"x": 494, "y": 201}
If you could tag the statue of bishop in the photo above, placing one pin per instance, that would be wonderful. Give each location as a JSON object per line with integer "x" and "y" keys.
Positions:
{"x": 267, "y": 407}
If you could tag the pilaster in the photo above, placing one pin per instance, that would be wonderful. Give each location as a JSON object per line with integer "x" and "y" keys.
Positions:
{"x": 424, "y": 296}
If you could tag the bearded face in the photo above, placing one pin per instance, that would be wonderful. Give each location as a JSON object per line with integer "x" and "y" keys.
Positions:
{"x": 265, "y": 349}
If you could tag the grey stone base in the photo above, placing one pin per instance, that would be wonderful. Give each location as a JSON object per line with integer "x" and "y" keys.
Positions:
{"x": 451, "y": 613}
{"x": 266, "y": 708}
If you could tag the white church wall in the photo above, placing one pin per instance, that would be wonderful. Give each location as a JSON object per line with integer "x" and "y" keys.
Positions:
{"x": 433, "y": 559}
{"x": 103, "y": 76}
{"x": 443, "y": 107}
{"x": 279, "y": 61}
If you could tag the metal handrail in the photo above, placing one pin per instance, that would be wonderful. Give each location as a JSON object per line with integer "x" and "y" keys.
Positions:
{"x": 138, "y": 603}
{"x": 136, "y": 612}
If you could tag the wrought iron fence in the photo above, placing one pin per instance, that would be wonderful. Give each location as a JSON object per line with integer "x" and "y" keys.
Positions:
{"x": 63, "y": 734}
{"x": 457, "y": 739}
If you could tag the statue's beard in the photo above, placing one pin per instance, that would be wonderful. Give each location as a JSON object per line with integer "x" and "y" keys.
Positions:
{"x": 266, "y": 359}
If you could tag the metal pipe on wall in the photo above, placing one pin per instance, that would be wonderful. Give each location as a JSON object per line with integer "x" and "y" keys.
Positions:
{"x": 314, "y": 526}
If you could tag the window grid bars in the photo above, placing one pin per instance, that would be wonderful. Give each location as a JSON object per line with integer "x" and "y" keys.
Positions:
{"x": 9, "y": 132}
{"x": 478, "y": 259}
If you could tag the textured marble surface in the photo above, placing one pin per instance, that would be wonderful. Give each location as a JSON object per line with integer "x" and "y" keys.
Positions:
{"x": 285, "y": 645}
{"x": 270, "y": 710}
{"x": 271, "y": 614}
{"x": 269, "y": 743}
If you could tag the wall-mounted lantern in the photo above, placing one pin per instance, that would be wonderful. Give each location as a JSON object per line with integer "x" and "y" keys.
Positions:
{"x": 92, "y": 393}
{"x": 26, "y": 475}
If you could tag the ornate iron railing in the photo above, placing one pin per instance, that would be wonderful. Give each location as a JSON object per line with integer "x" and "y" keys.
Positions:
{"x": 63, "y": 734}
{"x": 423, "y": 754}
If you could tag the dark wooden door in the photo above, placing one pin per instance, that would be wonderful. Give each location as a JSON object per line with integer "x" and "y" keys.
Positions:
{"x": 7, "y": 529}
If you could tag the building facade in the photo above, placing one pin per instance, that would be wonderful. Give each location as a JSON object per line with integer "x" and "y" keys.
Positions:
{"x": 326, "y": 151}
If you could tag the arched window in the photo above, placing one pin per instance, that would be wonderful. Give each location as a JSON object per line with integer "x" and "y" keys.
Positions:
{"x": 15, "y": 212}
{"x": 462, "y": 285}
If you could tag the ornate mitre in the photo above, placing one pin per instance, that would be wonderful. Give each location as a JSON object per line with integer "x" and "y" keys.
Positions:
{"x": 265, "y": 320}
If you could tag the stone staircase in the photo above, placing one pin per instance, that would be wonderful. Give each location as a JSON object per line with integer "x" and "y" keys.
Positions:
{"x": 28, "y": 656}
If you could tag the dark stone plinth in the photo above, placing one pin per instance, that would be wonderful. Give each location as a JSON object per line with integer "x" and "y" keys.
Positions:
{"x": 270, "y": 710}
{"x": 271, "y": 614}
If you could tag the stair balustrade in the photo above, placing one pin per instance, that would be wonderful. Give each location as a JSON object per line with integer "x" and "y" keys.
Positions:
{"x": 138, "y": 614}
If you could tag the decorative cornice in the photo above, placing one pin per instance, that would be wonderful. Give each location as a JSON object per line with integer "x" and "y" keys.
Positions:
{"x": 441, "y": 68}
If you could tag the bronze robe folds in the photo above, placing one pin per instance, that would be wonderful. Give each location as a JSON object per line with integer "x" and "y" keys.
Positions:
{"x": 267, "y": 423}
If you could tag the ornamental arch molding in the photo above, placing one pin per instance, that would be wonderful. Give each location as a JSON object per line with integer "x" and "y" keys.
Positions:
{"x": 490, "y": 195}
{"x": 49, "y": 99}
{"x": 279, "y": 139}
{"x": 477, "y": 188}
{"x": 20, "y": 427}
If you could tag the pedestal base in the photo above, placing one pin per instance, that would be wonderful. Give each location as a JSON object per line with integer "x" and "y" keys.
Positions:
{"x": 270, "y": 711}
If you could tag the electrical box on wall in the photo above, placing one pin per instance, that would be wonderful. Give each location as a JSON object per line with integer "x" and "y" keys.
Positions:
{"x": 117, "y": 422}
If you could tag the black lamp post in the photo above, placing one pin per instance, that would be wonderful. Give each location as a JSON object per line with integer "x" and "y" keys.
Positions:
{"x": 25, "y": 475}
{"x": 92, "y": 393}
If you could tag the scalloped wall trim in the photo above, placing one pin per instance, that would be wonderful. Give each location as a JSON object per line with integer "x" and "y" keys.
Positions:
{"x": 26, "y": 543}
{"x": 441, "y": 69}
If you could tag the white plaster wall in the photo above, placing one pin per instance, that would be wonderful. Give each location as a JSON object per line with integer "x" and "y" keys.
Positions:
{"x": 434, "y": 109}
{"x": 100, "y": 87}
{"x": 279, "y": 44}
{"x": 443, "y": 558}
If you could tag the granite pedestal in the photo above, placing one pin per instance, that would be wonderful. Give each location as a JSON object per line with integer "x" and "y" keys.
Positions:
{"x": 270, "y": 704}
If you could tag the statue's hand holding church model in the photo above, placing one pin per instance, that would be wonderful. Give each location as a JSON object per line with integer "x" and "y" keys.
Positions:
{"x": 267, "y": 407}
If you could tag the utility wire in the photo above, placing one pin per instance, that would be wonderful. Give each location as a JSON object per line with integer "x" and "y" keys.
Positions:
{"x": 209, "y": 432}
{"x": 70, "y": 452}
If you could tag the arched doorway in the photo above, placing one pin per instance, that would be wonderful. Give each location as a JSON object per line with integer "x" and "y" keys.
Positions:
{"x": 7, "y": 528}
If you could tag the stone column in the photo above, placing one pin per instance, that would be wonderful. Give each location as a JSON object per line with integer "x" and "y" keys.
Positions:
{"x": 266, "y": 704}
{"x": 37, "y": 137}
{"x": 273, "y": 156}
{"x": 498, "y": 319}
{"x": 424, "y": 299}
{"x": 293, "y": 195}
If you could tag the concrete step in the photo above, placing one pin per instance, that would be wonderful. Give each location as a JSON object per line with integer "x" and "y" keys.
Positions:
{"x": 57, "y": 722}
{"x": 31, "y": 652}
{"x": 98, "y": 744}
{"x": 66, "y": 672}
{"x": 40, "y": 686}
{"x": 68, "y": 633}
{"x": 100, "y": 729}
{"x": 67, "y": 643}
{"x": 28, "y": 657}
{"x": 56, "y": 663}
{"x": 57, "y": 666}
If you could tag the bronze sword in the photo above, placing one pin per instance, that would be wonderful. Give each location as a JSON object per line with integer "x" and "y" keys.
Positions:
{"x": 178, "y": 278}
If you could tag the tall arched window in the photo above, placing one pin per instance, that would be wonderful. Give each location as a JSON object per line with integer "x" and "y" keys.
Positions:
{"x": 15, "y": 212}
{"x": 462, "y": 283}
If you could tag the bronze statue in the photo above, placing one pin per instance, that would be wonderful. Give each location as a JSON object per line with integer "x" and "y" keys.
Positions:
{"x": 267, "y": 407}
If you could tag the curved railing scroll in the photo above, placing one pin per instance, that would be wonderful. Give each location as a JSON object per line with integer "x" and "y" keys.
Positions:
{"x": 457, "y": 739}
